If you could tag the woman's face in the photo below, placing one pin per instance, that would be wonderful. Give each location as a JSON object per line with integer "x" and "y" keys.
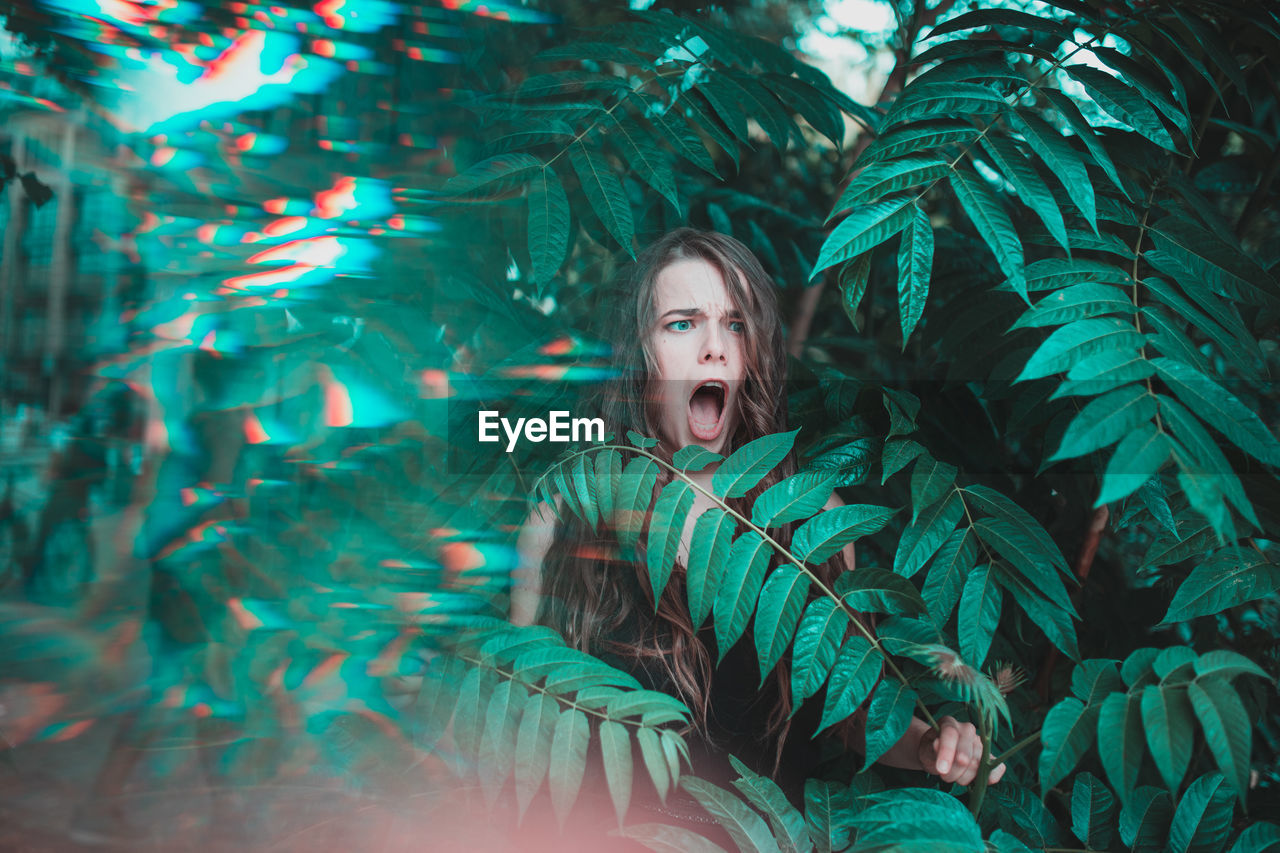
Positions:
{"x": 699, "y": 352}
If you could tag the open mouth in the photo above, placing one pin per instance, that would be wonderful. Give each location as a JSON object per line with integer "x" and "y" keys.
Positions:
{"x": 706, "y": 409}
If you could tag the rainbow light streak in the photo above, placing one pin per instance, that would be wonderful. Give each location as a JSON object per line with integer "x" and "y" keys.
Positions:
{"x": 357, "y": 16}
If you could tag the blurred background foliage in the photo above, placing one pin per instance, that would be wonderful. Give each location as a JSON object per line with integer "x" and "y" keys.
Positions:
{"x": 291, "y": 249}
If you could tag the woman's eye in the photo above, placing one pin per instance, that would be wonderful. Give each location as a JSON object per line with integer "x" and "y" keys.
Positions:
{"x": 679, "y": 325}
{"x": 736, "y": 326}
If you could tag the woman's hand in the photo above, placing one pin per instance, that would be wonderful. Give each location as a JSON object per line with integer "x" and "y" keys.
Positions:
{"x": 954, "y": 751}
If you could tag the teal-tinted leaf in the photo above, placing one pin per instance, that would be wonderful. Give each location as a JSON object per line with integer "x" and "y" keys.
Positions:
{"x": 877, "y": 591}
{"x": 917, "y": 138}
{"x": 915, "y": 260}
{"x": 854, "y": 276}
{"x": 947, "y": 573}
{"x": 665, "y": 530}
{"x": 1139, "y": 456}
{"x": 639, "y": 151}
{"x": 1055, "y": 273}
{"x": 821, "y": 114}
{"x": 749, "y": 464}
{"x": 1106, "y": 420}
{"x": 765, "y": 795}
{"x": 1202, "y": 821}
{"x": 664, "y": 838}
{"x": 568, "y": 761}
{"x": 988, "y": 215}
{"x": 828, "y": 810}
{"x": 848, "y": 464}
{"x": 724, "y": 100}
{"x": 1075, "y": 341}
{"x": 1084, "y": 132}
{"x": 565, "y": 82}
{"x": 903, "y": 407}
{"x": 1136, "y": 668}
{"x": 818, "y": 638}
{"x": 500, "y": 170}
{"x": 1050, "y": 618}
{"x": 1122, "y": 103}
{"x": 943, "y": 100}
{"x": 1092, "y": 811}
{"x": 799, "y": 496}
{"x": 1222, "y": 410}
{"x": 1012, "y": 542}
{"x": 1076, "y": 302}
{"x": 701, "y": 117}
{"x": 548, "y": 225}
{"x": 584, "y": 485}
{"x": 926, "y": 533}
{"x": 708, "y": 550}
{"x": 603, "y": 189}
{"x": 887, "y": 718}
{"x": 1225, "y": 663}
{"x": 1168, "y": 336}
{"x": 1174, "y": 661}
{"x": 979, "y": 614}
{"x": 533, "y": 746}
{"x": 1038, "y": 539}
{"x": 930, "y": 481}
{"x": 655, "y": 761}
{"x": 1155, "y": 90}
{"x": 681, "y": 137}
{"x": 865, "y": 228}
{"x": 747, "y": 829}
{"x": 1026, "y": 181}
{"x": 641, "y": 441}
{"x": 856, "y": 670}
{"x": 694, "y": 458}
{"x": 1225, "y": 268}
{"x": 1001, "y": 18}
{"x": 1007, "y": 842}
{"x": 615, "y": 750}
{"x": 1258, "y": 838}
{"x": 1239, "y": 346}
{"x": 635, "y": 491}
{"x": 880, "y": 179}
{"x": 498, "y": 743}
{"x": 1167, "y": 721}
{"x": 1092, "y": 680}
{"x": 1227, "y": 579}
{"x": 1228, "y": 731}
{"x": 1207, "y": 460}
{"x": 1023, "y": 810}
{"x": 740, "y": 587}
{"x": 1144, "y": 820}
{"x": 1120, "y": 741}
{"x": 898, "y": 452}
{"x": 781, "y": 602}
{"x": 1066, "y": 735}
{"x": 608, "y": 478}
{"x": 829, "y": 531}
{"x": 763, "y": 107}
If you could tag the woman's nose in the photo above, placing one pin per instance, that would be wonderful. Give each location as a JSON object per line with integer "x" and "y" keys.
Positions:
{"x": 713, "y": 348}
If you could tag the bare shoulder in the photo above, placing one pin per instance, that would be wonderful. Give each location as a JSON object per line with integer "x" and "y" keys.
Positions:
{"x": 531, "y": 547}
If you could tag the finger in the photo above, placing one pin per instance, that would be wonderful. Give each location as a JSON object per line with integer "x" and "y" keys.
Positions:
{"x": 947, "y": 748}
{"x": 995, "y": 775}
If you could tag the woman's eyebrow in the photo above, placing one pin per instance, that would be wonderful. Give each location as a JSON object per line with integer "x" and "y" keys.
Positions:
{"x": 683, "y": 312}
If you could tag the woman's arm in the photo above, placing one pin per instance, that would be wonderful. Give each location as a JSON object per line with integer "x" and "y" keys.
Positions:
{"x": 953, "y": 751}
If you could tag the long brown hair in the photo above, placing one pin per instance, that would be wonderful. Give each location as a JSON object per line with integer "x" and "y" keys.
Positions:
{"x": 598, "y": 599}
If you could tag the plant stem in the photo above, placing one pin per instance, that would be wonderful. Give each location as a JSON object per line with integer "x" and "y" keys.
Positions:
{"x": 979, "y": 792}
{"x": 1016, "y": 748}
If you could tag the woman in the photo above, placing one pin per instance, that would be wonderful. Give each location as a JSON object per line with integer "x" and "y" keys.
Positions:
{"x": 702, "y": 362}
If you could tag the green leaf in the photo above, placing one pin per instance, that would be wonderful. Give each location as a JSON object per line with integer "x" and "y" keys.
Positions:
{"x": 901, "y": 141}
{"x": 665, "y": 530}
{"x": 947, "y": 575}
{"x": 641, "y": 441}
{"x": 1106, "y": 420}
{"x": 568, "y": 761}
{"x": 903, "y": 407}
{"x": 701, "y": 117}
{"x": 1205, "y": 466}
{"x": 1092, "y": 680}
{"x": 828, "y": 808}
{"x": 979, "y": 614}
{"x": 898, "y": 452}
{"x": 1026, "y": 181}
{"x": 1140, "y": 455}
{"x": 675, "y": 129}
{"x": 763, "y": 107}
{"x": 1202, "y": 820}
{"x": 930, "y": 481}
{"x": 1050, "y": 618}
{"x": 888, "y": 718}
{"x": 608, "y": 479}
{"x": 498, "y": 744}
{"x": 1054, "y": 273}
{"x": 855, "y": 672}
{"x": 1092, "y": 810}
{"x": 1076, "y": 341}
{"x": 1001, "y": 18}
{"x": 694, "y": 458}
{"x": 1166, "y": 719}
{"x": 1123, "y": 104}
{"x": 1144, "y": 820}
{"x": 829, "y": 531}
{"x": 747, "y": 829}
{"x": 664, "y": 838}
{"x": 1258, "y": 838}
{"x": 724, "y": 100}
{"x": 821, "y": 114}
{"x": 781, "y": 602}
{"x": 1227, "y": 579}
{"x": 739, "y": 588}
{"x": 501, "y": 170}
{"x": 877, "y": 591}
{"x": 854, "y": 276}
{"x": 584, "y": 485}
{"x": 1228, "y": 731}
{"x": 708, "y": 551}
{"x": 822, "y": 628}
{"x": 635, "y": 491}
{"x": 1066, "y": 735}
{"x": 915, "y": 260}
{"x": 1227, "y": 664}
{"x": 848, "y": 463}
{"x": 1178, "y": 660}
{"x": 988, "y": 215}
{"x": 533, "y": 747}
{"x": 655, "y": 761}
{"x": 765, "y": 795}
{"x": 749, "y": 464}
{"x": 1225, "y": 268}
{"x": 1061, "y": 159}
{"x": 1223, "y": 411}
{"x": 604, "y": 191}
{"x": 548, "y": 225}
{"x": 1084, "y": 132}
{"x": 943, "y": 100}
{"x": 1012, "y": 542}
{"x": 880, "y": 179}
{"x": 639, "y": 151}
{"x": 925, "y": 535}
{"x": 799, "y": 496}
{"x": 863, "y": 229}
{"x": 1076, "y": 302}
{"x": 615, "y": 750}
{"x": 1120, "y": 741}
